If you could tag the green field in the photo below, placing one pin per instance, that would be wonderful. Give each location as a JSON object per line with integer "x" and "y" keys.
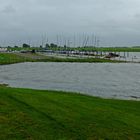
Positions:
{"x": 10, "y": 58}
{"x": 100, "y": 49}
{"x": 49, "y": 115}
{"x": 86, "y": 48}
{"x": 110, "y": 49}
{"x": 80, "y": 60}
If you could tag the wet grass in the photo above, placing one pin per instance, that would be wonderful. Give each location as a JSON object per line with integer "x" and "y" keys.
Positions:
{"x": 11, "y": 58}
{"x": 99, "y": 49}
{"x": 51, "y": 115}
{"x": 110, "y": 49}
{"x": 80, "y": 60}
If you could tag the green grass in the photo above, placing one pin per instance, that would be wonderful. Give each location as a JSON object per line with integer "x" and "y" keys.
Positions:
{"x": 49, "y": 115}
{"x": 10, "y": 58}
{"x": 110, "y": 49}
{"x": 79, "y": 60}
{"x": 87, "y": 48}
{"x": 103, "y": 49}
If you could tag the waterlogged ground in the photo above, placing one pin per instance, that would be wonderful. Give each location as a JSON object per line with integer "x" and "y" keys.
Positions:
{"x": 105, "y": 80}
{"x": 124, "y": 56}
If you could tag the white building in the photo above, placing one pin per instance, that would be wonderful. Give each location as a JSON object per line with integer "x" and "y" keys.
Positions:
{"x": 3, "y": 49}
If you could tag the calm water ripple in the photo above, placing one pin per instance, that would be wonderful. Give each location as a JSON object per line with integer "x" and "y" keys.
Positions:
{"x": 105, "y": 80}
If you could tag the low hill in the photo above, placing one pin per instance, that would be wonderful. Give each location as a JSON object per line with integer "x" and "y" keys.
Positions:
{"x": 51, "y": 115}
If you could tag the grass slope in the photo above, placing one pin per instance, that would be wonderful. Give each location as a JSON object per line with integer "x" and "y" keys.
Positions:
{"x": 103, "y": 49}
{"x": 10, "y": 58}
{"x": 80, "y": 60}
{"x": 50, "y": 115}
{"x": 111, "y": 49}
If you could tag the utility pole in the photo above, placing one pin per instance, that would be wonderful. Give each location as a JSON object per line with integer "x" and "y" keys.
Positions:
{"x": 98, "y": 42}
{"x": 95, "y": 41}
{"x": 92, "y": 40}
{"x": 86, "y": 41}
{"x": 74, "y": 41}
{"x": 57, "y": 40}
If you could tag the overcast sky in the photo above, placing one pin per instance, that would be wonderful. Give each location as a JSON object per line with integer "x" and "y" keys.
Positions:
{"x": 114, "y": 22}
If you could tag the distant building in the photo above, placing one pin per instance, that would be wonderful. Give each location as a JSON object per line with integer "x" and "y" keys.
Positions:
{"x": 3, "y": 49}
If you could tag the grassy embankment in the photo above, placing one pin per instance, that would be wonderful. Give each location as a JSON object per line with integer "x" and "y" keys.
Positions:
{"x": 80, "y": 60}
{"x": 99, "y": 49}
{"x": 49, "y": 115}
{"x": 10, "y": 58}
{"x": 111, "y": 49}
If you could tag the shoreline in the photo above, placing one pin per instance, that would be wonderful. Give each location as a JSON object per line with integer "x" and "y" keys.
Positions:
{"x": 12, "y": 58}
{"x": 124, "y": 98}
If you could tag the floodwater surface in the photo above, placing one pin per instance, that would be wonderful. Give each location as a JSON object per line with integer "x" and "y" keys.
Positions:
{"x": 97, "y": 79}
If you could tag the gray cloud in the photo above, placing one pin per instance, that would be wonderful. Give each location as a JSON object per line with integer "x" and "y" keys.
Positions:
{"x": 116, "y": 22}
{"x": 8, "y": 9}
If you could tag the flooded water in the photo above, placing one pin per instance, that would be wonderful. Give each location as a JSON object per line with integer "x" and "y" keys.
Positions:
{"x": 124, "y": 56}
{"x": 129, "y": 56}
{"x": 104, "y": 80}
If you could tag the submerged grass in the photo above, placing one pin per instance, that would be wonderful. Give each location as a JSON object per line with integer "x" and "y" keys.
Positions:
{"x": 80, "y": 60}
{"x": 49, "y": 115}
